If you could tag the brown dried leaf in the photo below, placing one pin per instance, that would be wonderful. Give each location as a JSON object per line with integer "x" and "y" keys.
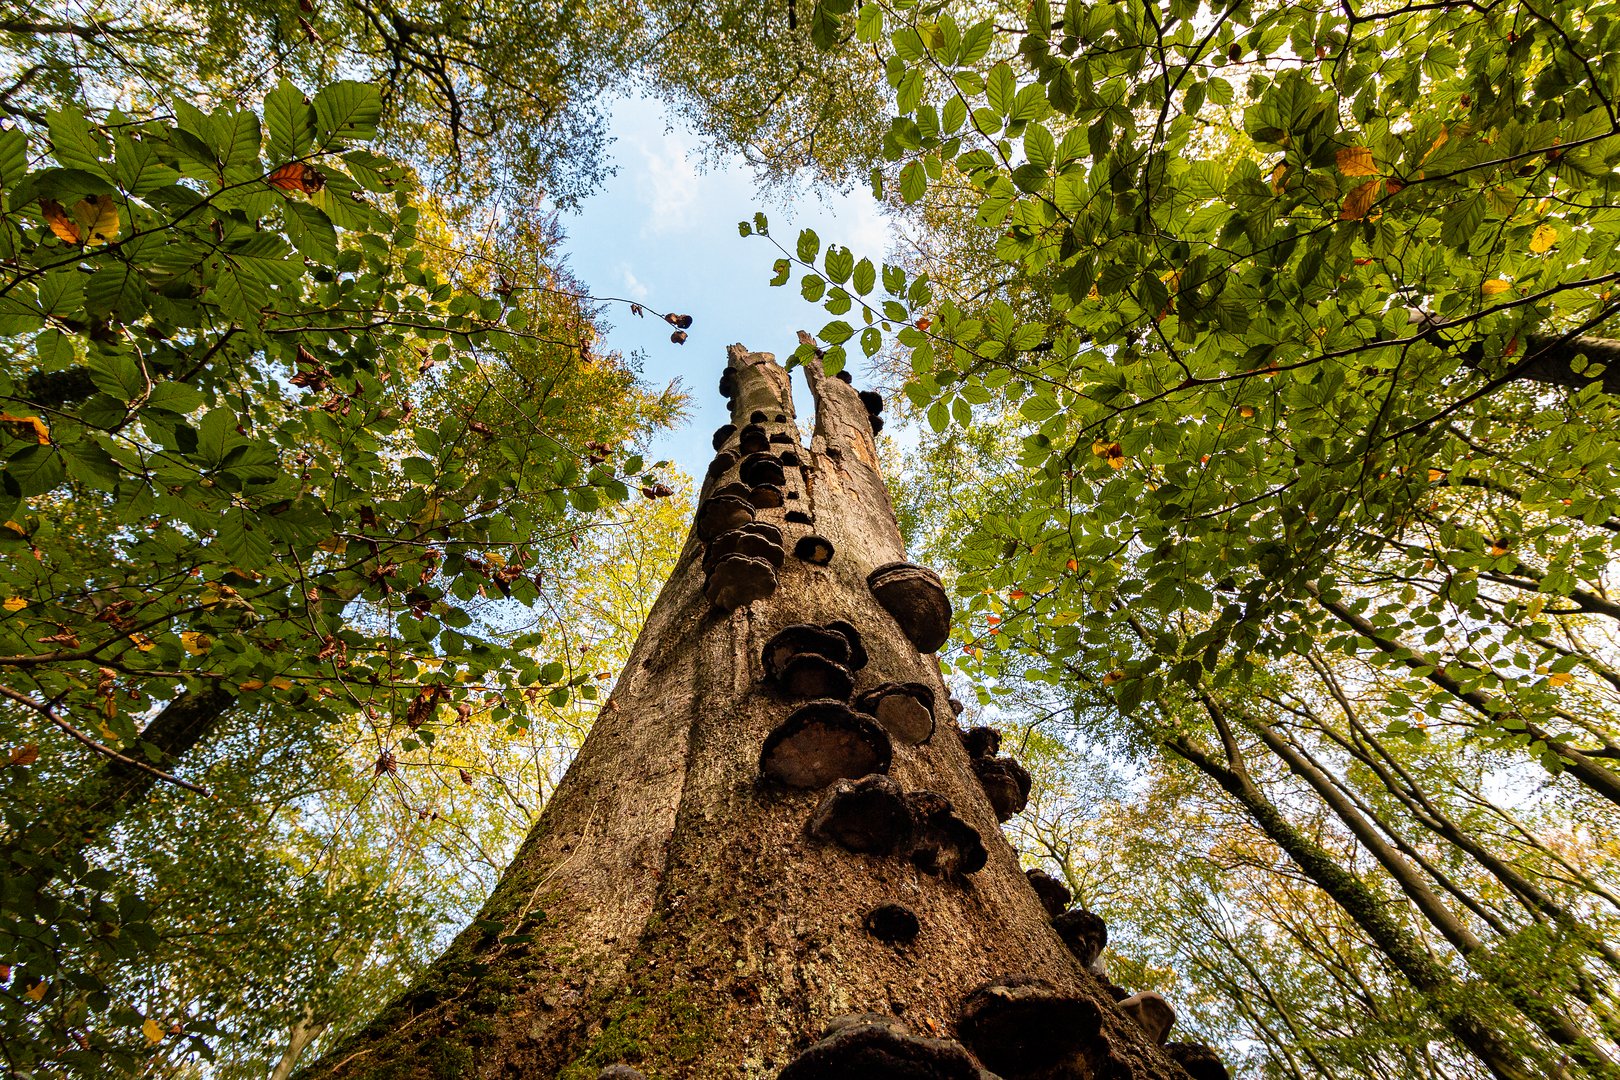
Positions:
{"x": 1355, "y": 161}
{"x": 296, "y": 176}
{"x": 57, "y": 218}
{"x": 1359, "y": 201}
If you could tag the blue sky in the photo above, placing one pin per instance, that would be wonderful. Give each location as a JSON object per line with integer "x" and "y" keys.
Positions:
{"x": 663, "y": 231}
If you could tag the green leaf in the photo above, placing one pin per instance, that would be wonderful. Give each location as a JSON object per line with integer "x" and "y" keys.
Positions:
{"x": 290, "y": 121}
{"x": 310, "y": 231}
{"x": 347, "y": 110}
{"x": 809, "y": 245}
{"x": 34, "y": 470}
{"x": 1000, "y": 90}
{"x": 865, "y": 276}
{"x": 913, "y": 181}
{"x": 939, "y": 416}
{"x": 13, "y": 157}
{"x": 836, "y": 332}
{"x": 74, "y": 144}
{"x": 976, "y": 42}
{"x": 840, "y": 261}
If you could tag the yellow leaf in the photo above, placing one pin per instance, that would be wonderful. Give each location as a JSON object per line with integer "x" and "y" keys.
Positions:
{"x": 106, "y": 732}
{"x": 15, "y": 603}
{"x": 1246, "y": 410}
{"x": 142, "y": 642}
{"x": 1355, "y": 161}
{"x": 37, "y": 991}
{"x": 1359, "y": 201}
{"x": 42, "y": 434}
{"x": 57, "y": 218}
{"x": 1112, "y": 677}
{"x": 1493, "y": 287}
{"x": 1439, "y": 141}
{"x": 98, "y": 218}
{"x": 1543, "y": 239}
{"x": 1559, "y": 678}
{"x": 196, "y": 644}
{"x": 1436, "y": 475}
{"x": 1278, "y": 176}
{"x": 281, "y": 682}
{"x": 153, "y": 1031}
{"x": 251, "y": 684}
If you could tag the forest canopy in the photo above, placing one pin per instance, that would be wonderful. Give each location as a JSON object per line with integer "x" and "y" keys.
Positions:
{"x": 1252, "y": 364}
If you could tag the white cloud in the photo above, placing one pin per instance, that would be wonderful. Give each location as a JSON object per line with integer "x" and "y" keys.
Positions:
{"x": 632, "y": 284}
{"x": 668, "y": 184}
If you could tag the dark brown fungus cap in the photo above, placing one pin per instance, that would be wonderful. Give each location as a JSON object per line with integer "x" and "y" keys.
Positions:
{"x": 728, "y": 383}
{"x": 1152, "y": 1014}
{"x": 845, "y": 377}
{"x": 621, "y": 1072}
{"x": 880, "y": 1052}
{"x": 822, "y": 742}
{"x": 857, "y": 651}
{"x": 781, "y": 437}
{"x": 981, "y": 741}
{"x": 761, "y": 468}
{"x": 767, "y": 497}
{"x": 1199, "y": 1060}
{"x": 757, "y": 416}
{"x": 742, "y": 542}
{"x": 906, "y": 710}
{"x": 957, "y": 708}
{"x": 753, "y": 440}
{"x": 809, "y": 675}
{"x": 790, "y": 641}
{"x": 1006, "y": 784}
{"x": 1027, "y": 1026}
{"x": 800, "y": 517}
{"x": 813, "y": 549}
{"x": 789, "y": 459}
{"x": 723, "y": 434}
{"x": 876, "y": 423}
{"x": 722, "y": 463}
{"x": 736, "y": 489}
{"x": 1054, "y": 895}
{"x": 916, "y": 598}
{"x": 872, "y": 400}
{"x": 1084, "y": 933}
{"x": 765, "y": 529}
{"x": 868, "y": 815}
{"x": 722, "y": 513}
{"x": 739, "y": 580}
{"x": 893, "y": 924}
{"x": 942, "y": 843}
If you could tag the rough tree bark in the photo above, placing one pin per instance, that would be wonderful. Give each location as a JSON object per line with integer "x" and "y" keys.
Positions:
{"x": 670, "y": 911}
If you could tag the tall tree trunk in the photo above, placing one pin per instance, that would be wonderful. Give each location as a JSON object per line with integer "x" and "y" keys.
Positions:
{"x": 671, "y": 911}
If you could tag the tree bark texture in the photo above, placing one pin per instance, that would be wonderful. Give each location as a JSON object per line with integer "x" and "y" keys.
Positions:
{"x": 670, "y": 911}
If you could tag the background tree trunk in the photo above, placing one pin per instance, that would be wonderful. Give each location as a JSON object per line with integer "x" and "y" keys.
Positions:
{"x": 669, "y": 911}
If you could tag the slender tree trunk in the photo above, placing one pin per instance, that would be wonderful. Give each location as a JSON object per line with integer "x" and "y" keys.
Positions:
{"x": 303, "y": 1032}
{"x": 671, "y": 912}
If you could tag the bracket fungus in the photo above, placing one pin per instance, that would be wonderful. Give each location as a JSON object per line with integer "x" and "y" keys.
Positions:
{"x": 1027, "y": 1025}
{"x": 868, "y": 815}
{"x": 893, "y": 924}
{"x": 722, "y": 513}
{"x": 1084, "y": 933}
{"x": 739, "y": 580}
{"x": 736, "y": 489}
{"x": 742, "y": 542}
{"x": 801, "y": 517}
{"x": 757, "y": 416}
{"x": 1053, "y": 894}
{"x": 1006, "y": 784}
{"x": 781, "y": 437}
{"x": 845, "y": 377}
{"x": 728, "y": 383}
{"x": 942, "y": 843}
{"x": 916, "y": 598}
{"x": 872, "y": 400}
{"x": 857, "y": 651}
{"x": 723, "y": 434}
{"x": 811, "y": 675}
{"x": 761, "y": 468}
{"x": 906, "y": 710}
{"x": 789, "y": 459}
{"x": 767, "y": 497}
{"x": 957, "y": 708}
{"x": 880, "y": 1051}
{"x": 822, "y": 742}
{"x": 1152, "y": 1014}
{"x": 752, "y": 439}
{"x": 1200, "y": 1062}
{"x": 813, "y": 549}
{"x": 981, "y": 742}
{"x": 790, "y": 641}
{"x": 722, "y": 463}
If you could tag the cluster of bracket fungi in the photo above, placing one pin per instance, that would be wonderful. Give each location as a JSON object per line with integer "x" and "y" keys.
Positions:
{"x": 841, "y": 743}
